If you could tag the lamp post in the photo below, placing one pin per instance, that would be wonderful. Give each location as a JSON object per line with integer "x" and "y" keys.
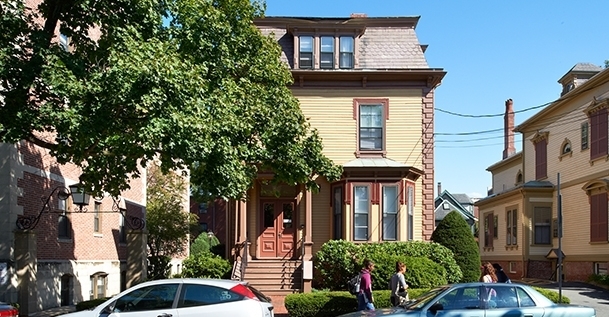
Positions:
{"x": 81, "y": 199}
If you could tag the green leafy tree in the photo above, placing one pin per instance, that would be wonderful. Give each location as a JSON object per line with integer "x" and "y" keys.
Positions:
{"x": 203, "y": 244}
{"x": 191, "y": 82}
{"x": 167, "y": 222}
{"x": 455, "y": 234}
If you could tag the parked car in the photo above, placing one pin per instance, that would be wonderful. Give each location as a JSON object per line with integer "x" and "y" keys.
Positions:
{"x": 7, "y": 310}
{"x": 480, "y": 299}
{"x": 185, "y": 298}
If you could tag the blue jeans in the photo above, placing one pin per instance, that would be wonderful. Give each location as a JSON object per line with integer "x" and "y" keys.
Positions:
{"x": 363, "y": 303}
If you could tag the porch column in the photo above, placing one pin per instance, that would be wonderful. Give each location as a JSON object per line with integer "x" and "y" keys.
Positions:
{"x": 26, "y": 265}
{"x": 242, "y": 221}
{"x": 307, "y": 264}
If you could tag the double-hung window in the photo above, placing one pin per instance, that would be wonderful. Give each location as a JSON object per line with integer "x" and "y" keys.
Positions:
{"x": 97, "y": 218}
{"x": 371, "y": 116}
{"x": 542, "y": 217}
{"x": 326, "y": 54}
{"x": 371, "y": 128}
{"x": 306, "y": 44}
{"x": 511, "y": 220}
{"x": 489, "y": 228}
{"x": 584, "y": 135}
{"x": 390, "y": 212}
{"x": 337, "y": 212}
{"x": 347, "y": 50}
{"x": 410, "y": 209}
{"x": 361, "y": 211}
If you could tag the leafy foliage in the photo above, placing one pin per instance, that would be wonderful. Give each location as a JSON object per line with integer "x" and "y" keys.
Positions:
{"x": 206, "y": 265}
{"x": 90, "y": 304}
{"x": 191, "y": 82}
{"x": 454, "y": 233}
{"x": 203, "y": 244}
{"x": 338, "y": 260}
{"x": 168, "y": 223}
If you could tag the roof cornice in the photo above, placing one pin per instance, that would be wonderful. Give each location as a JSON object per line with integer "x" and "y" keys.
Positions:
{"x": 591, "y": 83}
{"x": 430, "y": 77}
{"x": 336, "y": 22}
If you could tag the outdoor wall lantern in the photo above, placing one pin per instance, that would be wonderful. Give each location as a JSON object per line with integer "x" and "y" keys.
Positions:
{"x": 81, "y": 199}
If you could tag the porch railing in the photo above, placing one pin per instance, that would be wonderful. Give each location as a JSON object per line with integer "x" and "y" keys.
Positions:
{"x": 240, "y": 261}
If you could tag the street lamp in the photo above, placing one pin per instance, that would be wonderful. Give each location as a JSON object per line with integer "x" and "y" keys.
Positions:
{"x": 81, "y": 199}
{"x": 79, "y": 196}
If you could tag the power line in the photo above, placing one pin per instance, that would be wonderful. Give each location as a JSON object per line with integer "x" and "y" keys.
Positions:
{"x": 490, "y": 115}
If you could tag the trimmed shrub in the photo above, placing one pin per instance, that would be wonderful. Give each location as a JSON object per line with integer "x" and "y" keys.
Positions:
{"x": 90, "y": 304}
{"x": 206, "y": 265}
{"x": 330, "y": 304}
{"x": 552, "y": 295}
{"x": 454, "y": 233}
{"x": 420, "y": 272}
{"x": 338, "y": 260}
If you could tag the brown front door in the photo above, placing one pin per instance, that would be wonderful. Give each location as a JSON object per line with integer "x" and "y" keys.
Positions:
{"x": 277, "y": 238}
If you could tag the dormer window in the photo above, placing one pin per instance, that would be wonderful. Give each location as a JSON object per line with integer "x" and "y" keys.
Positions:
{"x": 326, "y": 54}
{"x": 347, "y": 49}
{"x": 306, "y": 52}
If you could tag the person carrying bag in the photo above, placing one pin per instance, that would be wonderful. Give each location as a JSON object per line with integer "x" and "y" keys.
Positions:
{"x": 398, "y": 286}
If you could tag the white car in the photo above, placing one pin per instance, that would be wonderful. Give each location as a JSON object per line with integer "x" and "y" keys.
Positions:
{"x": 185, "y": 298}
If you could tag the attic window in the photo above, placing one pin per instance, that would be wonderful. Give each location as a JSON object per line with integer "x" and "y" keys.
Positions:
{"x": 445, "y": 206}
{"x": 566, "y": 148}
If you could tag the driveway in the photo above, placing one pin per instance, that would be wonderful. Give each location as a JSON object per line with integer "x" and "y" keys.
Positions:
{"x": 584, "y": 294}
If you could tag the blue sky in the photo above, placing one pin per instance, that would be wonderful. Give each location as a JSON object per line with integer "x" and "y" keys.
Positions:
{"x": 492, "y": 51}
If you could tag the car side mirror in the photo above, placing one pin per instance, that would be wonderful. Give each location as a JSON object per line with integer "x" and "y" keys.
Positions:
{"x": 435, "y": 307}
{"x": 109, "y": 309}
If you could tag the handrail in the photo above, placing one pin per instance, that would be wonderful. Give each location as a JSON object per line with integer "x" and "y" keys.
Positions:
{"x": 240, "y": 256}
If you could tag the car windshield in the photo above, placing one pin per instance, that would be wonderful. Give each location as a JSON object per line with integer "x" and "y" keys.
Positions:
{"x": 422, "y": 300}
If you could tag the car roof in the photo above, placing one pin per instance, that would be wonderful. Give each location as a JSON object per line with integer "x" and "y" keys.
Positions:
{"x": 204, "y": 281}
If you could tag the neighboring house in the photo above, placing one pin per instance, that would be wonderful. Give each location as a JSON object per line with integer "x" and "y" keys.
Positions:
{"x": 212, "y": 217}
{"x": 365, "y": 85}
{"x": 54, "y": 251}
{"x": 446, "y": 202}
{"x": 568, "y": 138}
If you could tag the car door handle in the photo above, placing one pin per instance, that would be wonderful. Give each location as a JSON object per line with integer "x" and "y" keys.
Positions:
{"x": 165, "y": 315}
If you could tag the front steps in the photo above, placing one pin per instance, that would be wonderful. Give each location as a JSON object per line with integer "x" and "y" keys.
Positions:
{"x": 274, "y": 276}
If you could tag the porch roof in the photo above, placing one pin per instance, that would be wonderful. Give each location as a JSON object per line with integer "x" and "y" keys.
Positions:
{"x": 374, "y": 162}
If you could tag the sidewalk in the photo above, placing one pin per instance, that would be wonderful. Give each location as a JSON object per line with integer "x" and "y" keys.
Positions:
{"x": 52, "y": 312}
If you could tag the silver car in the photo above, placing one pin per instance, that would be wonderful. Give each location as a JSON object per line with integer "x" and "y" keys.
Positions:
{"x": 482, "y": 300}
{"x": 185, "y": 298}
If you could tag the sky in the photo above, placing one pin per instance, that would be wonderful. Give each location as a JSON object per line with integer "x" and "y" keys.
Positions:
{"x": 492, "y": 51}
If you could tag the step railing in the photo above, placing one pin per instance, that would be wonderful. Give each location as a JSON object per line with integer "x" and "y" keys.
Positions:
{"x": 240, "y": 256}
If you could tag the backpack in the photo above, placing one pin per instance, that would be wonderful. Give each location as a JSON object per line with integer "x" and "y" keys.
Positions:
{"x": 353, "y": 284}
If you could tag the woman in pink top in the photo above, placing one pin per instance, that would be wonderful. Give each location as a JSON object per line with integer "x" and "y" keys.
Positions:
{"x": 365, "y": 300}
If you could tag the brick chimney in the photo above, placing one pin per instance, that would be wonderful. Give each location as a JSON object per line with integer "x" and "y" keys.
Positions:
{"x": 439, "y": 188}
{"x": 359, "y": 15}
{"x": 508, "y": 129}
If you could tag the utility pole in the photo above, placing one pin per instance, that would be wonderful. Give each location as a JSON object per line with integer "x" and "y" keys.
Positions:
{"x": 559, "y": 211}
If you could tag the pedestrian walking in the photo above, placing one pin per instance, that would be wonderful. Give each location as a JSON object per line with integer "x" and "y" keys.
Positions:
{"x": 365, "y": 300}
{"x": 398, "y": 286}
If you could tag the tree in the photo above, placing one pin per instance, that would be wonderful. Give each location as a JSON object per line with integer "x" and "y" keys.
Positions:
{"x": 167, "y": 221}
{"x": 455, "y": 234}
{"x": 192, "y": 82}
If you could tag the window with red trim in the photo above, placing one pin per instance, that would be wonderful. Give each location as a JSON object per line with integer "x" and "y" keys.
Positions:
{"x": 390, "y": 206}
{"x": 361, "y": 212}
{"x": 371, "y": 116}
